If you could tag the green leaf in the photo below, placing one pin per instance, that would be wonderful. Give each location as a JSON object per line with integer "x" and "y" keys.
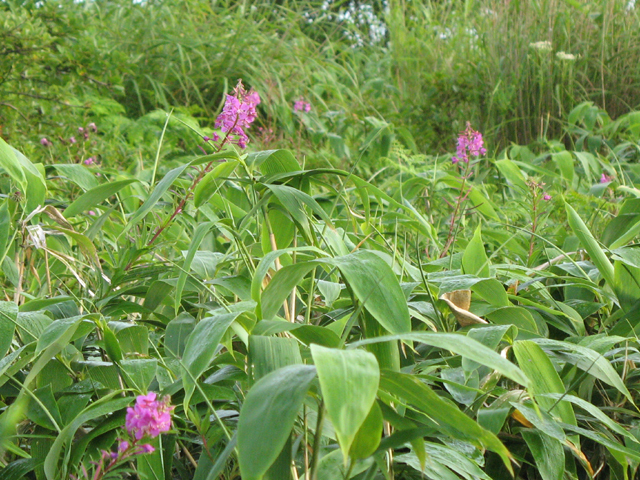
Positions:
{"x": 461, "y": 345}
{"x": 267, "y": 417}
{"x": 587, "y": 360}
{"x": 369, "y": 434}
{"x": 201, "y": 348}
{"x": 590, "y": 244}
{"x": 10, "y": 164}
{"x": 448, "y": 418}
{"x": 103, "y": 406}
{"x": 157, "y": 193}
{"x": 543, "y": 379}
{"x": 208, "y": 185}
{"x": 349, "y": 382}
{"x": 267, "y": 354}
{"x": 512, "y": 173}
{"x": 5, "y": 229}
{"x": 8, "y": 319}
{"x": 78, "y": 174}
{"x": 271, "y": 162}
{"x": 280, "y": 288}
{"x": 95, "y": 196}
{"x": 474, "y": 260}
{"x": 548, "y": 454}
{"x": 196, "y": 240}
{"x": 376, "y": 286}
{"x": 564, "y": 161}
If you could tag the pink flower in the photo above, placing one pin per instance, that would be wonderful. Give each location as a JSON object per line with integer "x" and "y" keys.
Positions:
{"x": 469, "y": 142}
{"x": 238, "y": 114}
{"x": 546, "y": 197}
{"x": 72, "y": 140}
{"x": 604, "y": 178}
{"x": 123, "y": 445}
{"x": 80, "y": 130}
{"x": 146, "y": 448}
{"x": 45, "y": 142}
{"x": 92, "y": 127}
{"x": 301, "y": 106}
{"x": 214, "y": 138}
{"x": 148, "y": 416}
{"x": 89, "y": 161}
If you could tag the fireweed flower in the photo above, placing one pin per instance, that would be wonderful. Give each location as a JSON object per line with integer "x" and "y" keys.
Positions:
{"x": 604, "y": 178}
{"x": 148, "y": 416}
{"x": 45, "y": 142}
{"x": 238, "y": 114}
{"x": 301, "y": 106}
{"x": 469, "y": 142}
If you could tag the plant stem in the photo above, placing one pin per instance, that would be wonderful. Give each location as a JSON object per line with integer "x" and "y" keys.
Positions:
{"x": 316, "y": 442}
{"x": 190, "y": 190}
{"x": 459, "y": 201}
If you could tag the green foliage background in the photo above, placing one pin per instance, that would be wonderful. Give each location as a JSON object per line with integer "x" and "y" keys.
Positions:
{"x": 298, "y": 307}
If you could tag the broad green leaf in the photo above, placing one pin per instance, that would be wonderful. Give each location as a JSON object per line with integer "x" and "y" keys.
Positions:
{"x": 267, "y": 417}
{"x": 349, "y": 382}
{"x": 548, "y": 454}
{"x": 5, "y": 228}
{"x": 78, "y": 174}
{"x": 625, "y": 226}
{"x": 157, "y": 193}
{"x": 198, "y": 236}
{"x": 590, "y": 244}
{"x": 543, "y": 379}
{"x": 377, "y": 287}
{"x": 280, "y": 287}
{"x": 461, "y": 345}
{"x": 449, "y": 419}
{"x": 267, "y": 354}
{"x": 95, "y": 196}
{"x": 8, "y": 318}
{"x": 588, "y": 360}
{"x": 177, "y": 333}
{"x": 369, "y": 434}
{"x": 201, "y": 348}
{"x": 271, "y": 162}
{"x": 11, "y": 165}
{"x": 208, "y": 185}
{"x": 512, "y": 173}
{"x": 564, "y": 161}
{"x": 474, "y": 260}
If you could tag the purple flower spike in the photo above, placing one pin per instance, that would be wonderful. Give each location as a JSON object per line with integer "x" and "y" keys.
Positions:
{"x": 238, "y": 114}
{"x": 605, "y": 178}
{"x": 469, "y": 142}
{"x": 149, "y": 416}
{"x": 147, "y": 448}
{"x": 301, "y": 106}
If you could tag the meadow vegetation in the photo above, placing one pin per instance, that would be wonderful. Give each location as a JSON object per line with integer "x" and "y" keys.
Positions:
{"x": 404, "y": 247}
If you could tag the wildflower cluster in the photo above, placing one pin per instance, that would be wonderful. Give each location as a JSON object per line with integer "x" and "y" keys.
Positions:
{"x": 238, "y": 114}
{"x": 146, "y": 419}
{"x": 470, "y": 142}
{"x": 148, "y": 416}
{"x": 301, "y": 106}
{"x": 84, "y": 133}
